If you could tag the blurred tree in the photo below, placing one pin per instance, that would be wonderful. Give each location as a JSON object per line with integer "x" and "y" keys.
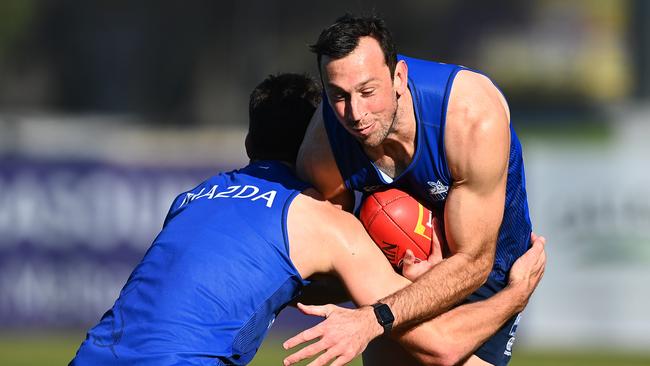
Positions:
{"x": 639, "y": 32}
{"x": 122, "y": 56}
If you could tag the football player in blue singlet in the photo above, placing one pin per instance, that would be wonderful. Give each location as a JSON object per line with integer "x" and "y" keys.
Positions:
{"x": 236, "y": 249}
{"x": 438, "y": 131}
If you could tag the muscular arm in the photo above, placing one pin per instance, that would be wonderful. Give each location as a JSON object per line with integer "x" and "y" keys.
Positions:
{"x": 451, "y": 329}
{"x": 343, "y": 247}
{"x": 456, "y": 334}
{"x": 477, "y": 144}
{"x": 316, "y": 164}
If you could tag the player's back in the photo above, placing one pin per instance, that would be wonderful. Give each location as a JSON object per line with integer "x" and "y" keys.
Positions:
{"x": 214, "y": 279}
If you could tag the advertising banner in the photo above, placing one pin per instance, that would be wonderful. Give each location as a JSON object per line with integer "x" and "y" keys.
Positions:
{"x": 70, "y": 234}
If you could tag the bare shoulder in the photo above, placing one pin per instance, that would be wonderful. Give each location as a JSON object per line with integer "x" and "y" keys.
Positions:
{"x": 477, "y": 125}
{"x": 475, "y": 99}
{"x": 316, "y": 163}
{"x": 317, "y": 216}
{"x": 317, "y": 230}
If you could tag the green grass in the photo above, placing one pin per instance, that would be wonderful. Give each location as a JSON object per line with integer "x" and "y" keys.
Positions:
{"x": 58, "y": 349}
{"x": 579, "y": 358}
{"x": 272, "y": 353}
{"x": 18, "y": 349}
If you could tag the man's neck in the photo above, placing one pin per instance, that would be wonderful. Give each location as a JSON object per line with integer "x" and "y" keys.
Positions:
{"x": 396, "y": 152}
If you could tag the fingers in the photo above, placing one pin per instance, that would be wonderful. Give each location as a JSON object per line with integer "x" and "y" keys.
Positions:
{"x": 537, "y": 247}
{"x": 313, "y": 332}
{"x": 407, "y": 261}
{"x": 342, "y": 356}
{"x": 307, "y": 352}
{"x": 538, "y": 253}
{"x": 438, "y": 229}
{"x": 317, "y": 310}
{"x": 324, "y": 358}
{"x": 542, "y": 240}
{"x": 534, "y": 238}
{"x": 302, "y": 337}
{"x": 438, "y": 239}
{"x": 435, "y": 257}
{"x": 543, "y": 260}
{"x": 409, "y": 258}
{"x": 341, "y": 360}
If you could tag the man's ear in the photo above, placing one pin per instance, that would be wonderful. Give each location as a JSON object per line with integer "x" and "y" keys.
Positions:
{"x": 400, "y": 78}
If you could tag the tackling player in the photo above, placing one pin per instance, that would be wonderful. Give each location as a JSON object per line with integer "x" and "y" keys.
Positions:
{"x": 442, "y": 133}
{"x": 236, "y": 249}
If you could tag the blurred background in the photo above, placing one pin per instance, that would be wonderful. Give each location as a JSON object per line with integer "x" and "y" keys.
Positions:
{"x": 108, "y": 109}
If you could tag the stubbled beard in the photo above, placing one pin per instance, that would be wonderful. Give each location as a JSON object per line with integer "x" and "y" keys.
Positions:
{"x": 390, "y": 129}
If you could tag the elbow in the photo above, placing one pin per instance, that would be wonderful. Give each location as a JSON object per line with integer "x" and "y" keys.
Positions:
{"x": 483, "y": 264}
{"x": 443, "y": 355}
{"x": 454, "y": 356}
{"x": 484, "y": 268}
{"x": 439, "y": 349}
{"x": 479, "y": 268}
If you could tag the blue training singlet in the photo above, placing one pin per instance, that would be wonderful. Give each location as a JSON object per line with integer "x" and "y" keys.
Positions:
{"x": 212, "y": 283}
{"x": 427, "y": 177}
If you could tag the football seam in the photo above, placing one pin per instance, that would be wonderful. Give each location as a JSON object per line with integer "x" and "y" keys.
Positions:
{"x": 393, "y": 199}
{"x": 374, "y": 216}
{"x": 382, "y": 205}
{"x": 401, "y": 229}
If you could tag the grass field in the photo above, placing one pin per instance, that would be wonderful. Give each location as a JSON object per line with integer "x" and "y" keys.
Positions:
{"x": 58, "y": 349}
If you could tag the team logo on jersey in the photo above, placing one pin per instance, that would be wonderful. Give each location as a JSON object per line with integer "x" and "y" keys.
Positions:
{"x": 437, "y": 190}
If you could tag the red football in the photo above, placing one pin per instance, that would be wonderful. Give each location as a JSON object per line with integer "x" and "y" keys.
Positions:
{"x": 396, "y": 222}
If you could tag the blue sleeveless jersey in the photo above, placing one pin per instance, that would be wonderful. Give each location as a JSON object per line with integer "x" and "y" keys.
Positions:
{"x": 213, "y": 281}
{"x": 427, "y": 177}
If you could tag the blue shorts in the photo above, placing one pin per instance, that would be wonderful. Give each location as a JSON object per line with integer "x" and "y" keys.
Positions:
{"x": 497, "y": 350}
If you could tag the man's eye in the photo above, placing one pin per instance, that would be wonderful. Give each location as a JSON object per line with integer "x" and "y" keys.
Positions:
{"x": 368, "y": 92}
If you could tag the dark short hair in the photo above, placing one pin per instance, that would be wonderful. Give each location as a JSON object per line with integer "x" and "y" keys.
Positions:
{"x": 280, "y": 109}
{"x": 341, "y": 38}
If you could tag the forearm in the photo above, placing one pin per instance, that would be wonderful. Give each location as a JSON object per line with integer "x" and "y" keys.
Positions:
{"x": 436, "y": 291}
{"x": 456, "y": 334}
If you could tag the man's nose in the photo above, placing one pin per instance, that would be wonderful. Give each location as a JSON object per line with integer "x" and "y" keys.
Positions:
{"x": 355, "y": 109}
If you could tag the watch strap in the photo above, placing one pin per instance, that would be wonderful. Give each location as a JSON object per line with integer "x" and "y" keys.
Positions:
{"x": 384, "y": 316}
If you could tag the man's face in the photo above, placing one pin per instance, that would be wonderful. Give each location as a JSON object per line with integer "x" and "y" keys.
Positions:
{"x": 361, "y": 92}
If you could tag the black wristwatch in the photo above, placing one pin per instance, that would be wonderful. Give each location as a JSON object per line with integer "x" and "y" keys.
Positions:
{"x": 384, "y": 316}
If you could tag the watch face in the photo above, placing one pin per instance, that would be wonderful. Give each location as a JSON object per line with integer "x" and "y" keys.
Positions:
{"x": 384, "y": 314}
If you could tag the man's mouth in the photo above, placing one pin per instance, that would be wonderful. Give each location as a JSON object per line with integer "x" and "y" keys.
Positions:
{"x": 363, "y": 130}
